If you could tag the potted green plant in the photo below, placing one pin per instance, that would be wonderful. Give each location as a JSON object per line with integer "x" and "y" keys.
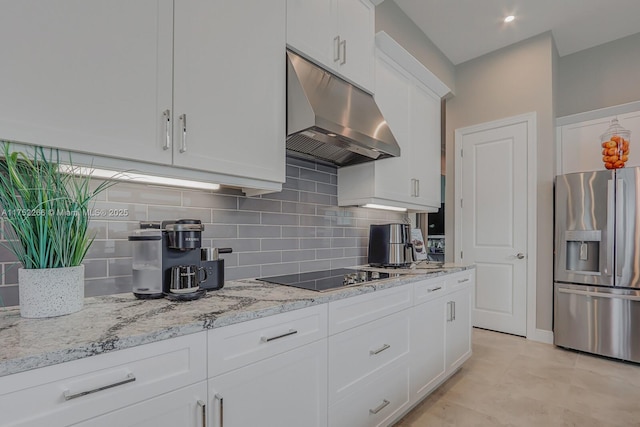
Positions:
{"x": 46, "y": 212}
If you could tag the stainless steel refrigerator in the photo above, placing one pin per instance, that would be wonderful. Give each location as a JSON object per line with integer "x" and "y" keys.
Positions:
{"x": 597, "y": 263}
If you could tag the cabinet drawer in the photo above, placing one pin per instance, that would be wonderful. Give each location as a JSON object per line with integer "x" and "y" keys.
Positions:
{"x": 429, "y": 289}
{"x": 459, "y": 280}
{"x": 238, "y": 345}
{"x": 358, "y": 352}
{"x": 377, "y": 402}
{"x": 70, "y": 392}
{"x": 351, "y": 312}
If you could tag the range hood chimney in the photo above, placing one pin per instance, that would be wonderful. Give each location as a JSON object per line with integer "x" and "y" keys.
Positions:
{"x": 332, "y": 120}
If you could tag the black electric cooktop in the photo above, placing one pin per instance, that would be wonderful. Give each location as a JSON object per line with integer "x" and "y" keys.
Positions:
{"x": 327, "y": 280}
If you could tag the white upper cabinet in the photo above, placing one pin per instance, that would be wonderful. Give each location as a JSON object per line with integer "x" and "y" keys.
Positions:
{"x": 337, "y": 34}
{"x": 409, "y": 97}
{"x": 229, "y": 87}
{"x": 578, "y": 138}
{"x": 189, "y": 83}
{"x": 425, "y": 151}
{"x": 87, "y": 76}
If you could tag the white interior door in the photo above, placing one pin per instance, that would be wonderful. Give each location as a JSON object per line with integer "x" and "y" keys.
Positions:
{"x": 492, "y": 226}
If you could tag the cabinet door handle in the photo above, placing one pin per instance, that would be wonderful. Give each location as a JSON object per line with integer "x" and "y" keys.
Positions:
{"x": 183, "y": 132}
{"x": 380, "y": 407}
{"x": 286, "y": 334}
{"x": 463, "y": 280}
{"x": 166, "y": 118}
{"x": 413, "y": 187}
{"x": 219, "y": 398}
{"x": 417, "y": 188}
{"x": 449, "y": 311}
{"x": 203, "y": 408}
{"x": 434, "y": 289}
{"x": 380, "y": 350}
{"x": 68, "y": 395}
{"x": 336, "y": 49}
{"x": 344, "y": 52}
{"x": 453, "y": 306}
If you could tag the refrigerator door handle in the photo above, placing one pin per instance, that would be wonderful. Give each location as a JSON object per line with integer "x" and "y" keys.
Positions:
{"x": 599, "y": 294}
{"x": 620, "y": 243}
{"x": 608, "y": 269}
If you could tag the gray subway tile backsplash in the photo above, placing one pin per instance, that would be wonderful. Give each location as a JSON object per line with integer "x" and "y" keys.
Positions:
{"x": 299, "y": 229}
{"x": 258, "y": 231}
{"x": 262, "y": 205}
{"x": 298, "y": 208}
{"x": 279, "y": 244}
{"x": 301, "y": 255}
{"x": 258, "y": 258}
{"x": 316, "y": 198}
{"x": 279, "y": 219}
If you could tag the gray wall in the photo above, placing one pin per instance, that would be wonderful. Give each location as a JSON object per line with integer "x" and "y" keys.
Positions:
{"x": 392, "y": 20}
{"x": 299, "y": 229}
{"x": 602, "y": 76}
{"x": 514, "y": 80}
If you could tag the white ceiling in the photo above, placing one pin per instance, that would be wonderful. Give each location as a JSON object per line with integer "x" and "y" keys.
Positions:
{"x": 466, "y": 29}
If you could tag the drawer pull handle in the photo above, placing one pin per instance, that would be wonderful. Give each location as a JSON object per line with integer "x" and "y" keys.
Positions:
{"x": 380, "y": 407}
{"x": 463, "y": 280}
{"x": 166, "y": 117}
{"x": 183, "y": 132}
{"x": 219, "y": 398}
{"x": 336, "y": 49}
{"x": 68, "y": 396}
{"x": 434, "y": 289}
{"x": 380, "y": 350}
{"x": 203, "y": 406}
{"x": 277, "y": 337}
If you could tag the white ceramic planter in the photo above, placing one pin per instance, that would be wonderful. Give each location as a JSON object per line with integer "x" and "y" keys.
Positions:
{"x": 50, "y": 292}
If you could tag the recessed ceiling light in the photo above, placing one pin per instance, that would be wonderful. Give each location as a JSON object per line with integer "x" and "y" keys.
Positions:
{"x": 509, "y": 18}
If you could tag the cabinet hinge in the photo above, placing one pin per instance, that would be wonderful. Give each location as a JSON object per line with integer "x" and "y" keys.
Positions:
{"x": 461, "y": 203}
{"x": 461, "y": 152}
{"x": 461, "y": 255}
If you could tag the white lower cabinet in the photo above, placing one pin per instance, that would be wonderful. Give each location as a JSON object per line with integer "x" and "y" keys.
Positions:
{"x": 357, "y": 353}
{"x": 185, "y": 408}
{"x": 377, "y": 401}
{"x": 428, "y": 340}
{"x": 270, "y": 372}
{"x": 356, "y": 362}
{"x": 369, "y": 358}
{"x": 289, "y": 389}
{"x": 458, "y": 326}
{"x": 135, "y": 381}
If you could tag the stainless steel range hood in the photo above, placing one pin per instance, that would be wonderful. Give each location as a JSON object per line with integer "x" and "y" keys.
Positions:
{"x": 332, "y": 120}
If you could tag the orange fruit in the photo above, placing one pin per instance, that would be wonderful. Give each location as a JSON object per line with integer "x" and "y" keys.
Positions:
{"x": 610, "y": 144}
{"x": 624, "y": 158}
{"x": 616, "y": 138}
{"x": 608, "y": 165}
{"x": 612, "y": 151}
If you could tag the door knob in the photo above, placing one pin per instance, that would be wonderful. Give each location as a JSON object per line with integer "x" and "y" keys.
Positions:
{"x": 520, "y": 255}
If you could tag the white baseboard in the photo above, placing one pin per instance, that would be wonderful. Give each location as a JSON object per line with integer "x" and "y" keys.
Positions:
{"x": 541, "y": 335}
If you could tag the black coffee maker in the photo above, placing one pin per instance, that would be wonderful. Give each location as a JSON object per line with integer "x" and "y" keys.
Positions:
{"x": 178, "y": 243}
{"x": 166, "y": 250}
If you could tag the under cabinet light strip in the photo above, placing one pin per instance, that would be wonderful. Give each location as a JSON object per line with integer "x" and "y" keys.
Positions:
{"x": 384, "y": 207}
{"x": 137, "y": 177}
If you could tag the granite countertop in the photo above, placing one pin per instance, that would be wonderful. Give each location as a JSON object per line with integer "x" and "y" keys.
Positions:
{"x": 115, "y": 322}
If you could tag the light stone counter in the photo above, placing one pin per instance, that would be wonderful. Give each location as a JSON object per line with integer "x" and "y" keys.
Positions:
{"x": 115, "y": 322}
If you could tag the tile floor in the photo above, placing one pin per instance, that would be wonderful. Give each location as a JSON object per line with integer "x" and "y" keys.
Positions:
{"x": 510, "y": 381}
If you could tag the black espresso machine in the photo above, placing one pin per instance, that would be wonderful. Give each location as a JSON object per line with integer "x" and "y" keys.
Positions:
{"x": 161, "y": 248}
